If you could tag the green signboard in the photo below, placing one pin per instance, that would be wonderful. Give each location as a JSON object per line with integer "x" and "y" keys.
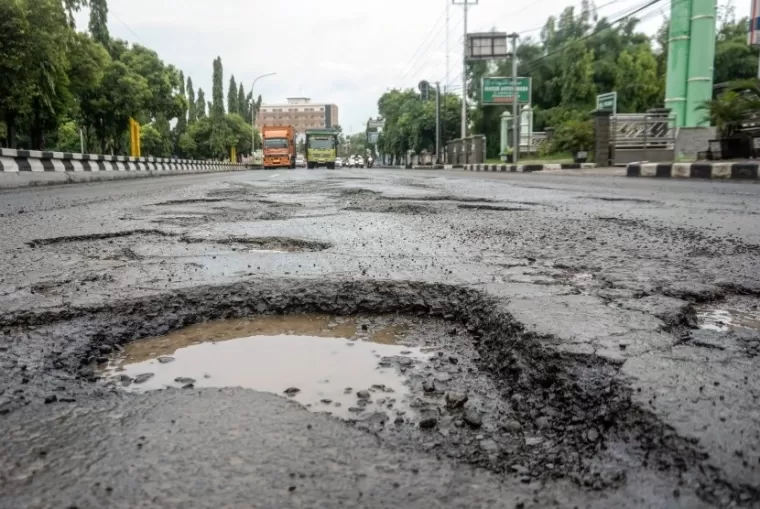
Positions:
{"x": 499, "y": 90}
{"x": 607, "y": 102}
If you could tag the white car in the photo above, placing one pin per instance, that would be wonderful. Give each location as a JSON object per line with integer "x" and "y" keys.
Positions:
{"x": 359, "y": 162}
{"x": 350, "y": 162}
{"x": 339, "y": 162}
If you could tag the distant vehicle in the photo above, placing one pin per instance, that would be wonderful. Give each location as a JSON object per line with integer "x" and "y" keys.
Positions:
{"x": 279, "y": 146}
{"x": 359, "y": 162}
{"x": 321, "y": 148}
{"x": 339, "y": 162}
{"x": 300, "y": 161}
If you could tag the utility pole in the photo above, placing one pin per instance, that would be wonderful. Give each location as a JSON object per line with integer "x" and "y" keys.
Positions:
{"x": 253, "y": 111}
{"x": 465, "y": 4}
{"x": 515, "y": 107}
{"x": 446, "y": 85}
{"x": 437, "y": 122}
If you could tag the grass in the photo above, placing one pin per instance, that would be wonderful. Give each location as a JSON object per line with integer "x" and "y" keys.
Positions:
{"x": 563, "y": 157}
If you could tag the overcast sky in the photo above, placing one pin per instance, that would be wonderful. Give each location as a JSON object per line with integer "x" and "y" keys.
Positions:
{"x": 346, "y": 52}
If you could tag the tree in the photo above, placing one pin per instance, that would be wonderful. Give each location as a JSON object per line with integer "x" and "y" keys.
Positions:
{"x": 200, "y": 105}
{"x": 99, "y": 22}
{"x": 48, "y": 38}
{"x": 578, "y": 89}
{"x": 151, "y": 142}
{"x": 217, "y": 91}
{"x": 242, "y": 103}
{"x": 232, "y": 97}
{"x": 736, "y": 105}
{"x": 122, "y": 94}
{"x": 16, "y": 83}
{"x": 191, "y": 104}
{"x": 182, "y": 119}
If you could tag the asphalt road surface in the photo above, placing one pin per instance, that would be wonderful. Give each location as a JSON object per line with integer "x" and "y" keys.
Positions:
{"x": 597, "y": 340}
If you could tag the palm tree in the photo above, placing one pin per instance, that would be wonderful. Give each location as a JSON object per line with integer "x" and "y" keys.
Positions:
{"x": 739, "y": 104}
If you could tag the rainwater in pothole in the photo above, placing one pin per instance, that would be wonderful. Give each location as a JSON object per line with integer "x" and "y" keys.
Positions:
{"x": 728, "y": 319}
{"x": 350, "y": 367}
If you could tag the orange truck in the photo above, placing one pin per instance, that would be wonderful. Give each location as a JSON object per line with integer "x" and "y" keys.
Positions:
{"x": 279, "y": 146}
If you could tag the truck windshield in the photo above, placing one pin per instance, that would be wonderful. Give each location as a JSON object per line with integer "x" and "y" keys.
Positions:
{"x": 275, "y": 143}
{"x": 321, "y": 143}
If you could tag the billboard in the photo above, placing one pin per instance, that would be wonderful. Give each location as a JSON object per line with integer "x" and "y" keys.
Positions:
{"x": 499, "y": 90}
{"x": 753, "y": 34}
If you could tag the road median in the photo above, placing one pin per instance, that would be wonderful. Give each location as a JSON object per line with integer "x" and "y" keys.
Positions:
{"x": 700, "y": 170}
{"x": 22, "y": 168}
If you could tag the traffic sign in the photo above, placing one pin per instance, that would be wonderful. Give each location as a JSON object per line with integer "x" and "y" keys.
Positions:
{"x": 499, "y": 90}
{"x": 607, "y": 102}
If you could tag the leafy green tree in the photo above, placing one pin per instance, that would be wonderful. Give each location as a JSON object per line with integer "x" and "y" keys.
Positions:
{"x": 217, "y": 90}
{"x": 200, "y": 105}
{"x": 151, "y": 142}
{"x": 122, "y": 94}
{"x": 232, "y": 97}
{"x": 48, "y": 38}
{"x": 191, "y": 104}
{"x": 99, "y": 22}
{"x": 578, "y": 88}
{"x": 16, "y": 80}
{"x": 182, "y": 119}
{"x": 242, "y": 103}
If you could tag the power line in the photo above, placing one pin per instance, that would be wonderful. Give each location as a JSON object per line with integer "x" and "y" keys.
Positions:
{"x": 648, "y": 4}
{"x": 110, "y": 11}
{"x": 427, "y": 50}
{"x": 443, "y": 15}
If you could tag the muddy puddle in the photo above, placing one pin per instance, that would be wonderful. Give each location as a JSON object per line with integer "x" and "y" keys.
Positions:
{"x": 730, "y": 319}
{"x": 350, "y": 367}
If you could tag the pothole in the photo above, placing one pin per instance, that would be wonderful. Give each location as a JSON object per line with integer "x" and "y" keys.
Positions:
{"x": 136, "y": 244}
{"x": 616, "y": 199}
{"x": 188, "y": 201}
{"x": 472, "y": 206}
{"x": 463, "y": 199}
{"x": 350, "y": 367}
{"x": 392, "y": 208}
{"x": 727, "y": 319}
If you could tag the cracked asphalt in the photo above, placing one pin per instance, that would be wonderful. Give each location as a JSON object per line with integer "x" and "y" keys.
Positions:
{"x": 575, "y": 305}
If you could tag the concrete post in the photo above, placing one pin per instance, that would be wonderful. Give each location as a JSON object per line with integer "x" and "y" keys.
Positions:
{"x": 678, "y": 59}
{"x": 701, "y": 61}
{"x": 504, "y": 141}
{"x": 602, "y": 138}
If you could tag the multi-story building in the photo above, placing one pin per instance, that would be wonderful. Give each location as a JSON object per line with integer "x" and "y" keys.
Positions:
{"x": 299, "y": 112}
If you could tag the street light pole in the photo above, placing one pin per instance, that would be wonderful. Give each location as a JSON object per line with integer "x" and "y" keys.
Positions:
{"x": 437, "y": 123}
{"x": 253, "y": 111}
{"x": 465, "y": 4}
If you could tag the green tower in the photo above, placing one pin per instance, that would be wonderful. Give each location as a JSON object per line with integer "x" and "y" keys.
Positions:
{"x": 691, "y": 54}
{"x": 699, "y": 85}
{"x": 678, "y": 59}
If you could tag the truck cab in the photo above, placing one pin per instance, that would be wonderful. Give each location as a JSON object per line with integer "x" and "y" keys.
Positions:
{"x": 279, "y": 146}
{"x": 321, "y": 148}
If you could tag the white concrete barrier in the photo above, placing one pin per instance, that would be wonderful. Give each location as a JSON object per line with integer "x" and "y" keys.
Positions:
{"x": 19, "y": 168}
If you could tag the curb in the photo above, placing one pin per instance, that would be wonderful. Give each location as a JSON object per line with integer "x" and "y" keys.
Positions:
{"x": 703, "y": 170}
{"x": 527, "y": 168}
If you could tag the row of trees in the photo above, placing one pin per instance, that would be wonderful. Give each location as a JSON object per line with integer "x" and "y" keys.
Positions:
{"x": 57, "y": 83}
{"x": 577, "y": 56}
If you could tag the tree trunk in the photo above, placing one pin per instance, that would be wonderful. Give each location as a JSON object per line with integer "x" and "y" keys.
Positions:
{"x": 10, "y": 124}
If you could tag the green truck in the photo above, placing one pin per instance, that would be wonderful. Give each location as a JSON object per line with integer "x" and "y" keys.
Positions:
{"x": 321, "y": 148}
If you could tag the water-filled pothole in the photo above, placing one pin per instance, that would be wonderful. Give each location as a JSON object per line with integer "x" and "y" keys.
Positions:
{"x": 350, "y": 367}
{"x": 727, "y": 319}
